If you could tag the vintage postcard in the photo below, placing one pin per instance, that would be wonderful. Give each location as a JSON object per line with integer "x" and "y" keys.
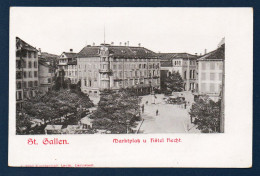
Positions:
{"x": 130, "y": 87}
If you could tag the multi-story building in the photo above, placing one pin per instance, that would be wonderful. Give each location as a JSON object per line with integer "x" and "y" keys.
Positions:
{"x": 64, "y": 59}
{"x": 26, "y": 71}
{"x": 210, "y": 73}
{"x": 184, "y": 63}
{"x": 46, "y": 76}
{"x": 115, "y": 67}
{"x": 73, "y": 72}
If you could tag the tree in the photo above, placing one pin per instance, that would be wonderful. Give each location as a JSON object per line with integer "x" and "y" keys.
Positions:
{"x": 22, "y": 123}
{"x": 116, "y": 111}
{"x": 56, "y": 104}
{"x": 173, "y": 83}
{"x": 207, "y": 115}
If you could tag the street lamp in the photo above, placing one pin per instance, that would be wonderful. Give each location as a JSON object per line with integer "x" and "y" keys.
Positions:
{"x": 127, "y": 124}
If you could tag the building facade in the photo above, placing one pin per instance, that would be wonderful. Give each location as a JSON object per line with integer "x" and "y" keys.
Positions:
{"x": 73, "y": 72}
{"x": 64, "y": 59}
{"x": 210, "y": 73}
{"x": 185, "y": 64}
{"x": 114, "y": 67}
{"x": 46, "y": 76}
{"x": 26, "y": 71}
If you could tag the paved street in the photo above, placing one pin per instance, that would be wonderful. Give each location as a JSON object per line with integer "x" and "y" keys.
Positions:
{"x": 171, "y": 118}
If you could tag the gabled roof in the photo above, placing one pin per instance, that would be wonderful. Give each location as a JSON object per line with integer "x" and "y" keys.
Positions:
{"x": 218, "y": 54}
{"x": 20, "y": 44}
{"x": 118, "y": 51}
{"x": 69, "y": 55}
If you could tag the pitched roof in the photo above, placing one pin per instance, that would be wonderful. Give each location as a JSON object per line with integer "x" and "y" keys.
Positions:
{"x": 20, "y": 44}
{"x": 218, "y": 54}
{"x": 70, "y": 54}
{"x": 166, "y": 58}
{"x": 169, "y": 56}
{"x": 118, "y": 51}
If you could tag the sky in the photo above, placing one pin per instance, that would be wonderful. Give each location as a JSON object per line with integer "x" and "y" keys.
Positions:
{"x": 170, "y": 30}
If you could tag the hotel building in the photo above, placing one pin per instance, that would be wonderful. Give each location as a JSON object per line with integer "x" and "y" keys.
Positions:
{"x": 114, "y": 67}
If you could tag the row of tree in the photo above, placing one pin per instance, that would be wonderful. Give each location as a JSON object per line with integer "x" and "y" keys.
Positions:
{"x": 117, "y": 111}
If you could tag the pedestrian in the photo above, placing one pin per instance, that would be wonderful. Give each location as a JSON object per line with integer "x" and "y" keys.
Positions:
{"x": 157, "y": 112}
{"x": 146, "y": 102}
{"x": 185, "y": 105}
{"x": 142, "y": 108}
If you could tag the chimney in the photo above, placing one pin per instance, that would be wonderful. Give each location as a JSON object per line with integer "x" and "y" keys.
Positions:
{"x": 40, "y": 51}
{"x": 139, "y": 44}
{"x": 71, "y": 50}
{"x": 196, "y": 54}
{"x": 93, "y": 43}
{"x": 200, "y": 54}
{"x": 112, "y": 43}
{"x": 127, "y": 43}
{"x": 120, "y": 43}
{"x": 205, "y": 51}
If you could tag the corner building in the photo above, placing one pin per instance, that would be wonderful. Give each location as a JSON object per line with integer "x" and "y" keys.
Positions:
{"x": 185, "y": 64}
{"x": 115, "y": 67}
{"x": 211, "y": 73}
{"x": 26, "y": 71}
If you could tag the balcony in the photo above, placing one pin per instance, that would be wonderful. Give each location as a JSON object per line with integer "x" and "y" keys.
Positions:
{"x": 105, "y": 70}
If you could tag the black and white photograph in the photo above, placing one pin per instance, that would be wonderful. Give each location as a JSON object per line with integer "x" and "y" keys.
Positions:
{"x": 130, "y": 87}
{"x": 81, "y": 76}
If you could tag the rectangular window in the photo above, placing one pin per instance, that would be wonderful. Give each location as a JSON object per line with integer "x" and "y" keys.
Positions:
{"x": 25, "y": 84}
{"x": 35, "y": 74}
{"x": 212, "y": 65}
{"x": 203, "y": 65}
{"x": 212, "y": 76}
{"x": 18, "y": 75}
{"x": 30, "y": 84}
{"x": 25, "y": 74}
{"x": 212, "y": 87}
{"x": 35, "y": 64}
{"x": 35, "y": 83}
{"x": 19, "y": 85}
{"x": 30, "y": 74}
{"x": 29, "y": 54}
{"x": 203, "y": 76}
